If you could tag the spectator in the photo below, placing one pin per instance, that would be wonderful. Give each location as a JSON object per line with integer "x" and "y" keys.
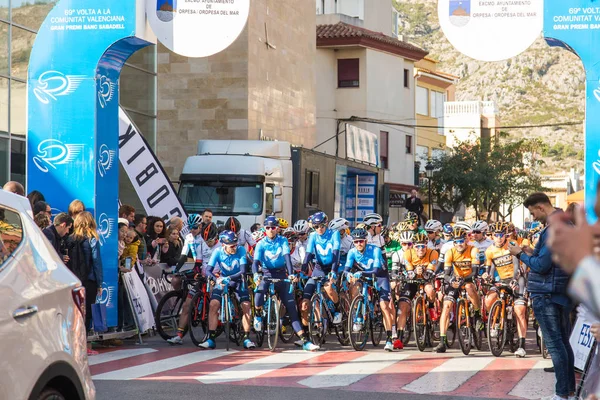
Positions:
{"x": 547, "y": 285}
{"x": 155, "y": 236}
{"x": 14, "y": 187}
{"x": 55, "y": 233}
{"x": 414, "y": 204}
{"x": 123, "y": 229}
{"x": 42, "y": 220}
{"x": 42, "y": 207}
{"x": 125, "y": 316}
{"x": 127, "y": 212}
{"x": 171, "y": 251}
{"x": 571, "y": 211}
{"x": 75, "y": 208}
{"x": 85, "y": 238}
{"x": 35, "y": 196}
{"x": 207, "y": 216}
{"x": 255, "y": 227}
{"x": 132, "y": 244}
{"x": 141, "y": 223}
{"x": 176, "y": 223}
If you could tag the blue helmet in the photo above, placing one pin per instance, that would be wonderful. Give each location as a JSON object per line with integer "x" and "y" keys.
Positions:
{"x": 359, "y": 234}
{"x": 271, "y": 221}
{"x": 228, "y": 237}
{"x": 319, "y": 218}
{"x": 194, "y": 221}
{"x": 447, "y": 229}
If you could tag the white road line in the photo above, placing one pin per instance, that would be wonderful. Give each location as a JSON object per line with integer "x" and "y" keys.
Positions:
{"x": 353, "y": 371}
{"x": 259, "y": 367}
{"x": 117, "y": 355}
{"x": 155, "y": 367}
{"x": 537, "y": 383}
{"x": 448, "y": 376}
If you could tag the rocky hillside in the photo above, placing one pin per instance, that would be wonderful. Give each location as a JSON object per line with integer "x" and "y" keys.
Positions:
{"x": 543, "y": 85}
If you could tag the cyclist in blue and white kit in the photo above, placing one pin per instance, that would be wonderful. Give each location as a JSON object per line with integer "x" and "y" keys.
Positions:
{"x": 195, "y": 246}
{"x": 227, "y": 267}
{"x": 369, "y": 261}
{"x": 273, "y": 254}
{"x": 324, "y": 248}
{"x": 341, "y": 225}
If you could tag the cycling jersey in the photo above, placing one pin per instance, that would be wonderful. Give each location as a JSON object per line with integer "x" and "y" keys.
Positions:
{"x": 376, "y": 240}
{"x": 197, "y": 246}
{"x": 346, "y": 244}
{"x": 437, "y": 245}
{"x": 445, "y": 247}
{"x": 390, "y": 248}
{"x": 245, "y": 238}
{"x": 482, "y": 247}
{"x": 324, "y": 248}
{"x": 271, "y": 254}
{"x": 227, "y": 265}
{"x": 500, "y": 260}
{"x": 429, "y": 261}
{"x": 462, "y": 263}
{"x": 369, "y": 261}
{"x": 398, "y": 261}
{"x": 297, "y": 257}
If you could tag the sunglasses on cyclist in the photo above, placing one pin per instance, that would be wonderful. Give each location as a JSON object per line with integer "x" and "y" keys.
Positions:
{"x": 430, "y": 232}
{"x": 409, "y": 244}
{"x": 359, "y": 241}
{"x": 459, "y": 241}
{"x": 375, "y": 225}
{"x": 269, "y": 228}
{"x": 498, "y": 234}
{"x": 476, "y": 232}
{"x": 420, "y": 246}
{"x": 321, "y": 226}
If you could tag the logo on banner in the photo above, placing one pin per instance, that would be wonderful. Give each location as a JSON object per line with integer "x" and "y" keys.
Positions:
{"x": 53, "y": 84}
{"x": 460, "y": 12}
{"x": 106, "y": 91}
{"x": 106, "y": 158}
{"x": 53, "y": 152}
{"x": 106, "y": 295}
{"x": 105, "y": 227}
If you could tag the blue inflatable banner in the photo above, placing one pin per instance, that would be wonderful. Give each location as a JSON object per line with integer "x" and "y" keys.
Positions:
{"x": 73, "y": 86}
{"x": 575, "y": 25}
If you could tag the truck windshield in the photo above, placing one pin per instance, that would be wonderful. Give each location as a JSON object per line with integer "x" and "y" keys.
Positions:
{"x": 223, "y": 198}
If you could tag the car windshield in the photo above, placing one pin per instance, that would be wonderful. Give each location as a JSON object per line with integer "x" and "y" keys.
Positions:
{"x": 223, "y": 198}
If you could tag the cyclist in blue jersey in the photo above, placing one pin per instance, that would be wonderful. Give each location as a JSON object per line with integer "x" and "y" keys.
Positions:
{"x": 324, "y": 248}
{"x": 196, "y": 247}
{"x": 368, "y": 260}
{"x": 273, "y": 254}
{"x": 227, "y": 267}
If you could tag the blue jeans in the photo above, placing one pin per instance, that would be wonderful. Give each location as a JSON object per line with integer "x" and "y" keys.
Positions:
{"x": 556, "y": 329}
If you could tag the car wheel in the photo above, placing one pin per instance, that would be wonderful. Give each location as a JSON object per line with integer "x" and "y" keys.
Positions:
{"x": 51, "y": 394}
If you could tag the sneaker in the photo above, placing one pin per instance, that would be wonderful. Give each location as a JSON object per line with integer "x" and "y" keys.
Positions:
{"x": 440, "y": 348}
{"x": 299, "y": 343}
{"x": 257, "y": 324}
{"x": 175, "y": 340}
{"x": 91, "y": 352}
{"x": 208, "y": 344}
{"x": 308, "y": 346}
{"x": 358, "y": 325}
{"x": 388, "y": 346}
{"x": 398, "y": 345}
{"x": 337, "y": 318}
{"x": 549, "y": 369}
{"x": 520, "y": 352}
{"x": 493, "y": 333}
{"x": 249, "y": 344}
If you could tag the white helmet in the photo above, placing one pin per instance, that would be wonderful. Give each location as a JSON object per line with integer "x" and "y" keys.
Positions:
{"x": 480, "y": 226}
{"x": 301, "y": 226}
{"x": 433, "y": 225}
{"x": 463, "y": 224}
{"x": 406, "y": 236}
{"x": 338, "y": 224}
{"x": 372, "y": 219}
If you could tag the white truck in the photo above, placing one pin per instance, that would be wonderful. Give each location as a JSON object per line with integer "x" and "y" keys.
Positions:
{"x": 251, "y": 179}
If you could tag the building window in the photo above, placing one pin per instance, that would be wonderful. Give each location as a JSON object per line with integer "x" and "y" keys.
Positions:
{"x": 383, "y": 149}
{"x": 311, "y": 190}
{"x": 408, "y": 144}
{"x": 395, "y": 25}
{"x": 406, "y": 78}
{"x": 422, "y": 101}
{"x": 348, "y": 72}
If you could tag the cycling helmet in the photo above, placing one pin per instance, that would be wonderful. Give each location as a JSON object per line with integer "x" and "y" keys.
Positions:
{"x": 228, "y": 237}
{"x": 536, "y": 230}
{"x": 402, "y": 226}
{"x": 258, "y": 235}
{"x": 420, "y": 238}
{"x": 194, "y": 220}
{"x": 319, "y": 218}
{"x": 480, "y": 226}
{"x": 406, "y": 237}
{"x": 271, "y": 221}
{"x": 411, "y": 216}
{"x": 459, "y": 232}
{"x": 210, "y": 232}
{"x": 361, "y": 226}
{"x": 511, "y": 227}
{"x": 372, "y": 219}
{"x": 337, "y": 224}
{"x": 290, "y": 234}
{"x": 301, "y": 226}
{"x": 283, "y": 224}
{"x": 433, "y": 225}
{"x": 385, "y": 232}
{"x": 359, "y": 234}
{"x": 464, "y": 225}
{"x": 498, "y": 227}
{"x": 447, "y": 229}
{"x": 232, "y": 224}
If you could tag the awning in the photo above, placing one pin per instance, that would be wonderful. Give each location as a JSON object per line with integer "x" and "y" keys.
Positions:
{"x": 576, "y": 197}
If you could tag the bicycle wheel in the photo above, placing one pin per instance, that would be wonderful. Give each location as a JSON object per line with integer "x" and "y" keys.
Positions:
{"x": 512, "y": 335}
{"x": 226, "y": 318}
{"x": 272, "y": 322}
{"x": 286, "y": 332}
{"x": 168, "y": 312}
{"x": 419, "y": 317}
{"x": 496, "y": 329}
{"x": 317, "y": 322}
{"x": 451, "y": 331}
{"x": 408, "y": 330}
{"x": 357, "y": 323}
{"x": 376, "y": 327}
{"x": 198, "y": 319}
{"x": 341, "y": 330}
{"x": 462, "y": 326}
{"x": 476, "y": 334}
{"x": 237, "y": 327}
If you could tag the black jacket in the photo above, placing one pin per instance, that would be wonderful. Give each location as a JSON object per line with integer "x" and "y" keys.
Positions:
{"x": 171, "y": 257}
{"x": 54, "y": 238}
{"x": 415, "y": 205}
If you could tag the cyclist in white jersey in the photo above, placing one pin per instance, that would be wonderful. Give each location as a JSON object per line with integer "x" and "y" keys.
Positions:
{"x": 433, "y": 228}
{"x": 480, "y": 241}
{"x": 342, "y": 225}
{"x": 373, "y": 223}
{"x": 448, "y": 244}
{"x": 244, "y": 237}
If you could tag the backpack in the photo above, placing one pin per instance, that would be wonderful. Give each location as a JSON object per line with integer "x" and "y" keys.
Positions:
{"x": 78, "y": 262}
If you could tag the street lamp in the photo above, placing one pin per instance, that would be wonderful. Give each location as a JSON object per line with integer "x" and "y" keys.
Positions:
{"x": 429, "y": 172}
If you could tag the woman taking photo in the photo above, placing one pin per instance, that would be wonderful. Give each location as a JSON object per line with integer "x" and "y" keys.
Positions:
{"x": 171, "y": 251}
{"x": 155, "y": 237}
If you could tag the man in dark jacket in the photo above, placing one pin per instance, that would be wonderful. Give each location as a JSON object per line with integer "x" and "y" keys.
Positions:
{"x": 56, "y": 232}
{"x": 414, "y": 204}
{"x": 547, "y": 285}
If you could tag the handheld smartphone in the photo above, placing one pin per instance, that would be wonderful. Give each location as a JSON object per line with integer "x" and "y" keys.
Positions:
{"x": 128, "y": 263}
{"x": 513, "y": 243}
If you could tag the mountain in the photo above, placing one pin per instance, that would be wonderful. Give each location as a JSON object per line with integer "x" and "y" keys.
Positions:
{"x": 543, "y": 85}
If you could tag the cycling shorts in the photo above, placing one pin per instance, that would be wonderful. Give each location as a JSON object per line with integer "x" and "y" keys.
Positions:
{"x": 240, "y": 289}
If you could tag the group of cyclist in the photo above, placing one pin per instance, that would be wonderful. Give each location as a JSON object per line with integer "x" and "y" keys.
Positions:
{"x": 394, "y": 257}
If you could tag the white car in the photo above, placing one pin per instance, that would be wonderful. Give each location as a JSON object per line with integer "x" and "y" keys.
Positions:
{"x": 42, "y": 329}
